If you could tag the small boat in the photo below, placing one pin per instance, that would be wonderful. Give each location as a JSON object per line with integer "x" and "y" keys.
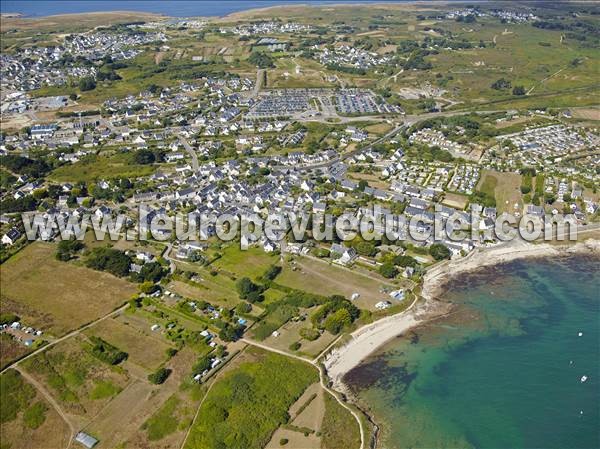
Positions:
{"x": 583, "y": 379}
{"x": 580, "y": 334}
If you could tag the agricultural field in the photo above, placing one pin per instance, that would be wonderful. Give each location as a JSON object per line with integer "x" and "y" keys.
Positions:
{"x": 80, "y": 383}
{"x": 141, "y": 401}
{"x": 56, "y": 296}
{"x": 27, "y": 419}
{"x": 131, "y": 333}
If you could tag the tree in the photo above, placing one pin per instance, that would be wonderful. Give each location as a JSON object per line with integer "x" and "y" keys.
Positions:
{"x": 261, "y": 60}
{"x": 501, "y": 84}
{"x": 248, "y": 290}
{"x": 144, "y": 157}
{"x": 519, "y": 90}
{"x": 366, "y": 249}
{"x": 439, "y": 251}
{"x": 230, "y": 333}
{"x": 309, "y": 333}
{"x": 87, "y": 83}
{"x": 388, "y": 270}
{"x": 335, "y": 322}
{"x": 243, "y": 307}
{"x": 111, "y": 260}
{"x": 201, "y": 365}
{"x": 405, "y": 261}
{"x": 66, "y": 249}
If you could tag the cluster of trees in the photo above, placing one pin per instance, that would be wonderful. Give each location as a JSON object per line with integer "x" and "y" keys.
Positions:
{"x": 106, "y": 352}
{"x": 87, "y": 83}
{"x": 66, "y": 249}
{"x": 27, "y": 203}
{"x": 439, "y": 251}
{"x": 501, "y": 84}
{"x": 346, "y": 69}
{"x": 107, "y": 259}
{"x": 34, "y": 168}
{"x": 144, "y": 157}
{"x": 110, "y": 75}
{"x": 271, "y": 273}
{"x": 336, "y": 314}
{"x": 484, "y": 198}
{"x": 150, "y": 272}
{"x": 249, "y": 291}
{"x": 230, "y": 332}
{"x": 389, "y": 269}
{"x": 261, "y": 59}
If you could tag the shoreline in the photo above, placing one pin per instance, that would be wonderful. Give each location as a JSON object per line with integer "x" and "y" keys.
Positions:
{"x": 366, "y": 340}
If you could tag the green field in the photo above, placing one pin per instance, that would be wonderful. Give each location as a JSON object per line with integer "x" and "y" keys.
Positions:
{"x": 97, "y": 167}
{"x": 251, "y": 263}
{"x": 247, "y": 404}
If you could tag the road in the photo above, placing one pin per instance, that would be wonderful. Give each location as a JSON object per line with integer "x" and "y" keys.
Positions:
{"x": 190, "y": 151}
{"x": 259, "y": 81}
{"x": 166, "y": 255}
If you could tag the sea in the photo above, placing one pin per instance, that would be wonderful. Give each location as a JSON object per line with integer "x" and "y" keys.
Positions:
{"x": 505, "y": 369}
{"x": 172, "y": 8}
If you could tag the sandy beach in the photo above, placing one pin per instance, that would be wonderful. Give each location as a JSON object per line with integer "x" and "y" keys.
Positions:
{"x": 372, "y": 336}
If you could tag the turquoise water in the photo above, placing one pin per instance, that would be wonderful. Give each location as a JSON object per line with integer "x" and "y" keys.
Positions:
{"x": 502, "y": 371}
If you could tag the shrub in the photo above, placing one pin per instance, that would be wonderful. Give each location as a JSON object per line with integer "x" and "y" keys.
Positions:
{"x": 439, "y": 251}
{"x": 388, "y": 270}
{"x": 295, "y": 346}
{"x": 112, "y": 260}
{"x": 159, "y": 376}
{"x": 309, "y": 333}
{"x": 106, "y": 352}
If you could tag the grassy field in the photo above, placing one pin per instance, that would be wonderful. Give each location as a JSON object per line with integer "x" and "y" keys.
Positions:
{"x": 132, "y": 334}
{"x": 250, "y": 263}
{"x": 57, "y": 296}
{"x": 10, "y": 350}
{"x": 94, "y": 167}
{"x": 79, "y": 382}
{"x": 121, "y": 423}
{"x": 247, "y": 404}
{"x": 27, "y": 420}
{"x": 323, "y": 278}
{"x": 340, "y": 429}
{"x": 505, "y": 187}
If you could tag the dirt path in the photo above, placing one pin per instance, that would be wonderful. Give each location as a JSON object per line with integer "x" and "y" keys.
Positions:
{"x": 50, "y": 399}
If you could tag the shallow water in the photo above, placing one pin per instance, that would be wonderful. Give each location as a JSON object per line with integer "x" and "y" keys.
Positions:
{"x": 502, "y": 371}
